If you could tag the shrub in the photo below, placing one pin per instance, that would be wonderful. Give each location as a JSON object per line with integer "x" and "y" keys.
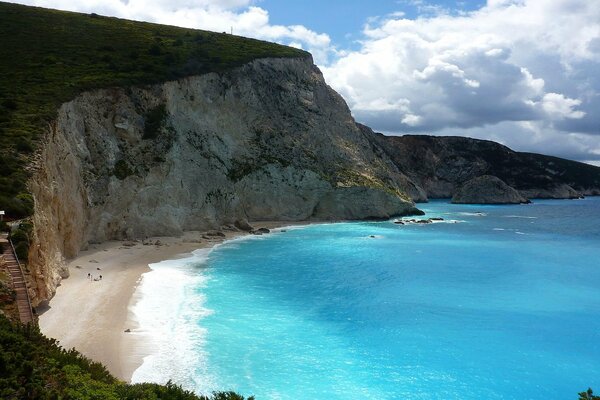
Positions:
{"x": 36, "y": 367}
{"x": 9, "y": 104}
{"x": 27, "y": 201}
{"x": 154, "y": 121}
{"x": 22, "y": 250}
{"x": 122, "y": 170}
{"x": 155, "y": 50}
{"x": 18, "y": 235}
{"x": 24, "y": 145}
{"x": 588, "y": 395}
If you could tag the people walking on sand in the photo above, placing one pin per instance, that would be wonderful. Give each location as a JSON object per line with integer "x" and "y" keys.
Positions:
{"x": 89, "y": 276}
{"x": 100, "y": 277}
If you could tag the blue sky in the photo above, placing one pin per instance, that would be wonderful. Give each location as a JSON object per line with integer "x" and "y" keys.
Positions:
{"x": 520, "y": 72}
{"x": 343, "y": 20}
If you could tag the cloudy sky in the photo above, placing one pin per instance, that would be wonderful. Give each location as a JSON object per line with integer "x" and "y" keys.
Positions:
{"x": 522, "y": 72}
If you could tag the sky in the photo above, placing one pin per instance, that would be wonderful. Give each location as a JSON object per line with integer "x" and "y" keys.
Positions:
{"x": 525, "y": 73}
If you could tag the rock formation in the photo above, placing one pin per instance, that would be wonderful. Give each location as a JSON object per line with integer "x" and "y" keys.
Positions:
{"x": 487, "y": 189}
{"x": 439, "y": 166}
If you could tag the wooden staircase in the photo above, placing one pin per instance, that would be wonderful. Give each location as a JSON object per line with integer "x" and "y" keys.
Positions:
{"x": 19, "y": 284}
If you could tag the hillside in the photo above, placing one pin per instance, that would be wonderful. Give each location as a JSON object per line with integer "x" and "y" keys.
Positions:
{"x": 441, "y": 165}
{"x": 49, "y": 57}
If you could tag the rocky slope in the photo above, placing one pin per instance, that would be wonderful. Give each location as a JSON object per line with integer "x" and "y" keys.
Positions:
{"x": 439, "y": 166}
{"x": 266, "y": 141}
{"x": 487, "y": 189}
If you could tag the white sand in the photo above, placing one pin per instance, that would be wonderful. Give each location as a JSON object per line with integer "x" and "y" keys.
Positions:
{"x": 92, "y": 316}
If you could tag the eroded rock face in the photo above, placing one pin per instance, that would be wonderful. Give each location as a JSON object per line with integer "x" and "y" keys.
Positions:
{"x": 440, "y": 165}
{"x": 267, "y": 141}
{"x": 487, "y": 189}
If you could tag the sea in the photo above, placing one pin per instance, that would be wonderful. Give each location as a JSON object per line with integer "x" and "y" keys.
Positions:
{"x": 493, "y": 302}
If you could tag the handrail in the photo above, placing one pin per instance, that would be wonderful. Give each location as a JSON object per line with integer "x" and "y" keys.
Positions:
{"x": 24, "y": 280}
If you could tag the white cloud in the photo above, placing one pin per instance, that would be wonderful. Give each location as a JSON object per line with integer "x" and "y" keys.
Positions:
{"x": 216, "y": 15}
{"x": 509, "y": 64}
{"x": 558, "y": 106}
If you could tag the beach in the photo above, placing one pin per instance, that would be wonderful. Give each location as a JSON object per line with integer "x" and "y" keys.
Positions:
{"x": 94, "y": 315}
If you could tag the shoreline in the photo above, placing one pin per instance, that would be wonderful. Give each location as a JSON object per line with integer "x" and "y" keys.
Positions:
{"x": 92, "y": 316}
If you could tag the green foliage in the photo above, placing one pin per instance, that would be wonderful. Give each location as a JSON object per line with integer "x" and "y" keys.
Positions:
{"x": 122, "y": 170}
{"x": 588, "y": 395}
{"x": 154, "y": 121}
{"x": 33, "y": 366}
{"x": 22, "y": 250}
{"x": 18, "y": 235}
{"x": 48, "y": 57}
{"x": 21, "y": 238}
{"x": 18, "y": 206}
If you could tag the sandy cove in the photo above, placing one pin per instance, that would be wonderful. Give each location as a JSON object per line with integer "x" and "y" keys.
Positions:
{"x": 92, "y": 315}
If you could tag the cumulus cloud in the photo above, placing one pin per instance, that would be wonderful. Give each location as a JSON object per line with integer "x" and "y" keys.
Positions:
{"x": 243, "y": 16}
{"x": 507, "y": 64}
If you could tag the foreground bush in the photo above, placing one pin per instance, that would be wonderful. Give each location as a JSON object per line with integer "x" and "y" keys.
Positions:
{"x": 33, "y": 366}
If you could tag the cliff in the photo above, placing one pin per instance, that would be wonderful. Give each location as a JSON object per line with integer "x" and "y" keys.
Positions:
{"x": 487, "y": 189}
{"x": 265, "y": 141}
{"x": 113, "y": 129}
{"x": 440, "y": 166}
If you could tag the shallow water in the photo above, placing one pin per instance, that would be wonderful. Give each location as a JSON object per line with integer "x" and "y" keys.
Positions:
{"x": 496, "y": 302}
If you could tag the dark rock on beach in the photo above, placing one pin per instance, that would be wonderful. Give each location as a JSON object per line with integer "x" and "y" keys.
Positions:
{"x": 243, "y": 225}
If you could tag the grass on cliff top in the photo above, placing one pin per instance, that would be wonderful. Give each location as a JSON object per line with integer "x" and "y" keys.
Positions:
{"x": 33, "y": 366}
{"x": 48, "y": 57}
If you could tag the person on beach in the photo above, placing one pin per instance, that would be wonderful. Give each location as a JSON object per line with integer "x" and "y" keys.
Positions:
{"x": 100, "y": 277}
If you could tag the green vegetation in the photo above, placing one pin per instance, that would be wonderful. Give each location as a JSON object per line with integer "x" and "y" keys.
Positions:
{"x": 588, "y": 395}
{"x": 21, "y": 237}
{"x": 33, "y": 366}
{"x": 122, "y": 170}
{"x": 48, "y": 57}
{"x": 155, "y": 121}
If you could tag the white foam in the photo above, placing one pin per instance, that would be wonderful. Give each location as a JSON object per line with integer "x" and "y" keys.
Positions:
{"x": 167, "y": 307}
{"x": 519, "y": 216}
{"x": 167, "y": 311}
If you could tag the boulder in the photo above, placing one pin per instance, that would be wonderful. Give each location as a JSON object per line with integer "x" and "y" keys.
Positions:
{"x": 243, "y": 225}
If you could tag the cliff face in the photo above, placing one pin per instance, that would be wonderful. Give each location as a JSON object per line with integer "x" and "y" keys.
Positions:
{"x": 487, "y": 189}
{"x": 269, "y": 140}
{"x": 442, "y": 165}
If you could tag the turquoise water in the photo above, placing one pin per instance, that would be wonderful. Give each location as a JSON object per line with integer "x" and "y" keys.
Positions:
{"x": 496, "y": 302}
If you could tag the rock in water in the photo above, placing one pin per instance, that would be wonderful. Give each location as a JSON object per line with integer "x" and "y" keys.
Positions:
{"x": 487, "y": 189}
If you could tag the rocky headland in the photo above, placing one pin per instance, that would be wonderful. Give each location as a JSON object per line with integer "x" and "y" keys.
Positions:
{"x": 450, "y": 167}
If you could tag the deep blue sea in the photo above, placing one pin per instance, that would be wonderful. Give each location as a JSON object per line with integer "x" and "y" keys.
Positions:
{"x": 496, "y": 302}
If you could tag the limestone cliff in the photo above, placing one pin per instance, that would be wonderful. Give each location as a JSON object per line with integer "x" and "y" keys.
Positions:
{"x": 439, "y": 166}
{"x": 268, "y": 140}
